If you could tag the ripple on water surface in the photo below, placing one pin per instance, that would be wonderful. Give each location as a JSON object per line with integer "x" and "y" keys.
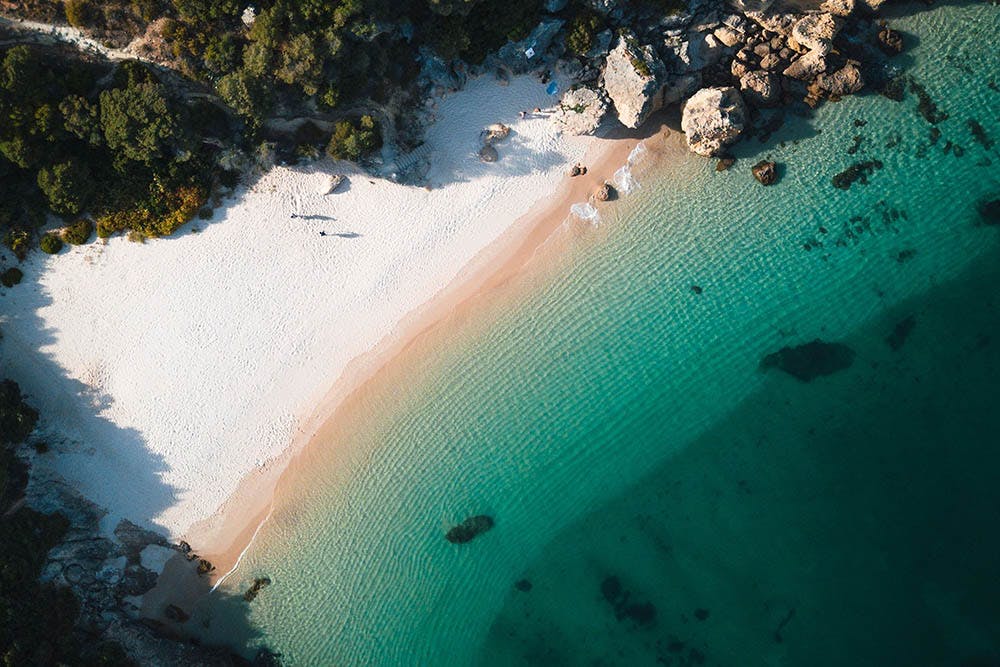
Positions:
{"x": 663, "y": 497}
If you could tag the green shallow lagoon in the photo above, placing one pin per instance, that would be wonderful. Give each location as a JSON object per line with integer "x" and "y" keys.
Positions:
{"x": 617, "y": 424}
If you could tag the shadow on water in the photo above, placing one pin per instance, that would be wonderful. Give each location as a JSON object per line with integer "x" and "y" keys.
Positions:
{"x": 849, "y": 520}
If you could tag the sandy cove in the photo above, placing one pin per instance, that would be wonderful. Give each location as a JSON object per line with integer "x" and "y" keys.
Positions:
{"x": 224, "y": 537}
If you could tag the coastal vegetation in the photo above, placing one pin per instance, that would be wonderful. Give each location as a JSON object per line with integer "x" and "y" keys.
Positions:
{"x": 82, "y": 138}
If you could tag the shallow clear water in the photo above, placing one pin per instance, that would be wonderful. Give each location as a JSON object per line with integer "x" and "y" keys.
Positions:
{"x": 616, "y": 424}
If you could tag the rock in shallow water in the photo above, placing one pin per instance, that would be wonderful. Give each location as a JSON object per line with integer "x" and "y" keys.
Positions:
{"x": 712, "y": 119}
{"x": 765, "y": 172}
{"x": 809, "y": 361}
{"x": 470, "y": 528}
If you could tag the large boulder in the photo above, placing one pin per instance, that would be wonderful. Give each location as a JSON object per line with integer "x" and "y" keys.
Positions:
{"x": 712, "y": 119}
{"x": 580, "y": 111}
{"x": 808, "y": 67}
{"x": 781, "y": 24}
{"x": 633, "y": 78}
{"x": 815, "y": 32}
{"x": 842, "y": 8}
{"x": 761, "y": 89}
{"x": 845, "y": 81}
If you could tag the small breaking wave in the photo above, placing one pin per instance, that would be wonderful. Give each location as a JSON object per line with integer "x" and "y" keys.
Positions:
{"x": 586, "y": 211}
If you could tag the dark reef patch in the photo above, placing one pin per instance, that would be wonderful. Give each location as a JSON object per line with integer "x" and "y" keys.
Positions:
{"x": 858, "y": 171}
{"x": 469, "y": 529}
{"x": 901, "y": 332}
{"x": 811, "y": 360}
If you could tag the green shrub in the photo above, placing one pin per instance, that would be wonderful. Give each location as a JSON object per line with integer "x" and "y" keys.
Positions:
{"x": 205, "y": 213}
{"x": 19, "y": 242}
{"x": 79, "y": 232}
{"x": 351, "y": 142}
{"x": 11, "y": 276}
{"x": 582, "y": 29}
{"x": 50, "y": 244}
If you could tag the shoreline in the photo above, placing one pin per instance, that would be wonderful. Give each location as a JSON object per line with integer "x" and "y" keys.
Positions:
{"x": 223, "y": 538}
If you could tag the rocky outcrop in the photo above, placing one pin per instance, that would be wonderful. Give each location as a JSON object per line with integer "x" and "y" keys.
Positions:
{"x": 580, "y": 111}
{"x": 633, "y": 79}
{"x": 606, "y": 192}
{"x": 539, "y": 44}
{"x": 845, "y": 81}
{"x": 469, "y": 529}
{"x": 889, "y": 41}
{"x": 765, "y": 172}
{"x": 811, "y": 360}
{"x": 761, "y": 89}
{"x": 814, "y": 32}
{"x": 712, "y": 119}
{"x": 989, "y": 211}
{"x": 807, "y": 67}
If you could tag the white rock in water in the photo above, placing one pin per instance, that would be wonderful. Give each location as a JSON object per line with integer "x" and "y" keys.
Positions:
{"x": 712, "y": 119}
{"x": 580, "y": 111}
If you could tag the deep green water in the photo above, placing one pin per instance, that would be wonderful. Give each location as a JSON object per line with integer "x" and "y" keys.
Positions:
{"x": 617, "y": 424}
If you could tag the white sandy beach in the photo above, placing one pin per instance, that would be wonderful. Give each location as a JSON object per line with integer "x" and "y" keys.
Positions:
{"x": 168, "y": 371}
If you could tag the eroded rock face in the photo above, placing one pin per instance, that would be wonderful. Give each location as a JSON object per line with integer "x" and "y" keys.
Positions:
{"x": 712, "y": 119}
{"x": 815, "y": 32}
{"x": 843, "y": 8}
{"x": 761, "y": 89}
{"x": 808, "y": 67}
{"x": 580, "y": 111}
{"x": 633, "y": 77}
{"x": 845, "y": 81}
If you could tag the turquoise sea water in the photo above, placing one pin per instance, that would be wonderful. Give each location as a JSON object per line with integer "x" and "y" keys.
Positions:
{"x": 667, "y": 501}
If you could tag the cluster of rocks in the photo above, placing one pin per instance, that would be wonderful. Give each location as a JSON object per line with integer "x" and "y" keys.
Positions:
{"x": 488, "y": 138}
{"x": 109, "y": 576}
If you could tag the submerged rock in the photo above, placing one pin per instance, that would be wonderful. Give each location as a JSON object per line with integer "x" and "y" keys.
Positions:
{"x": 765, "y": 172}
{"x": 606, "y": 192}
{"x": 901, "y": 332}
{"x": 989, "y": 211}
{"x": 469, "y": 529}
{"x": 712, "y": 119}
{"x": 255, "y": 589}
{"x": 858, "y": 171}
{"x": 488, "y": 154}
{"x": 523, "y": 585}
{"x": 809, "y": 361}
{"x": 176, "y": 614}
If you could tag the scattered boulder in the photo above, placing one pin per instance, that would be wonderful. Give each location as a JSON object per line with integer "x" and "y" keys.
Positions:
{"x": 580, "y": 111}
{"x": 815, "y": 32}
{"x": 204, "y": 567}
{"x": 765, "y": 172}
{"x": 724, "y": 163}
{"x": 255, "y": 589}
{"x": 811, "y": 360}
{"x": 606, "y": 192}
{"x": 712, "y": 119}
{"x": 889, "y": 41}
{"x": 845, "y": 81}
{"x": 494, "y": 133}
{"x": 780, "y": 24}
{"x": 575, "y": 171}
{"x": 488, "y": 154}
{"x": 469, "y": 529}
{"x": 761, "y": 89}
{"x": 841, "y": 8}
{"x": 633, "y": 78}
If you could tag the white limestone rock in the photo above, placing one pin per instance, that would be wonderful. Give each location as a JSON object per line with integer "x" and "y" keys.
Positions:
{"x": 712, "y": 119}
